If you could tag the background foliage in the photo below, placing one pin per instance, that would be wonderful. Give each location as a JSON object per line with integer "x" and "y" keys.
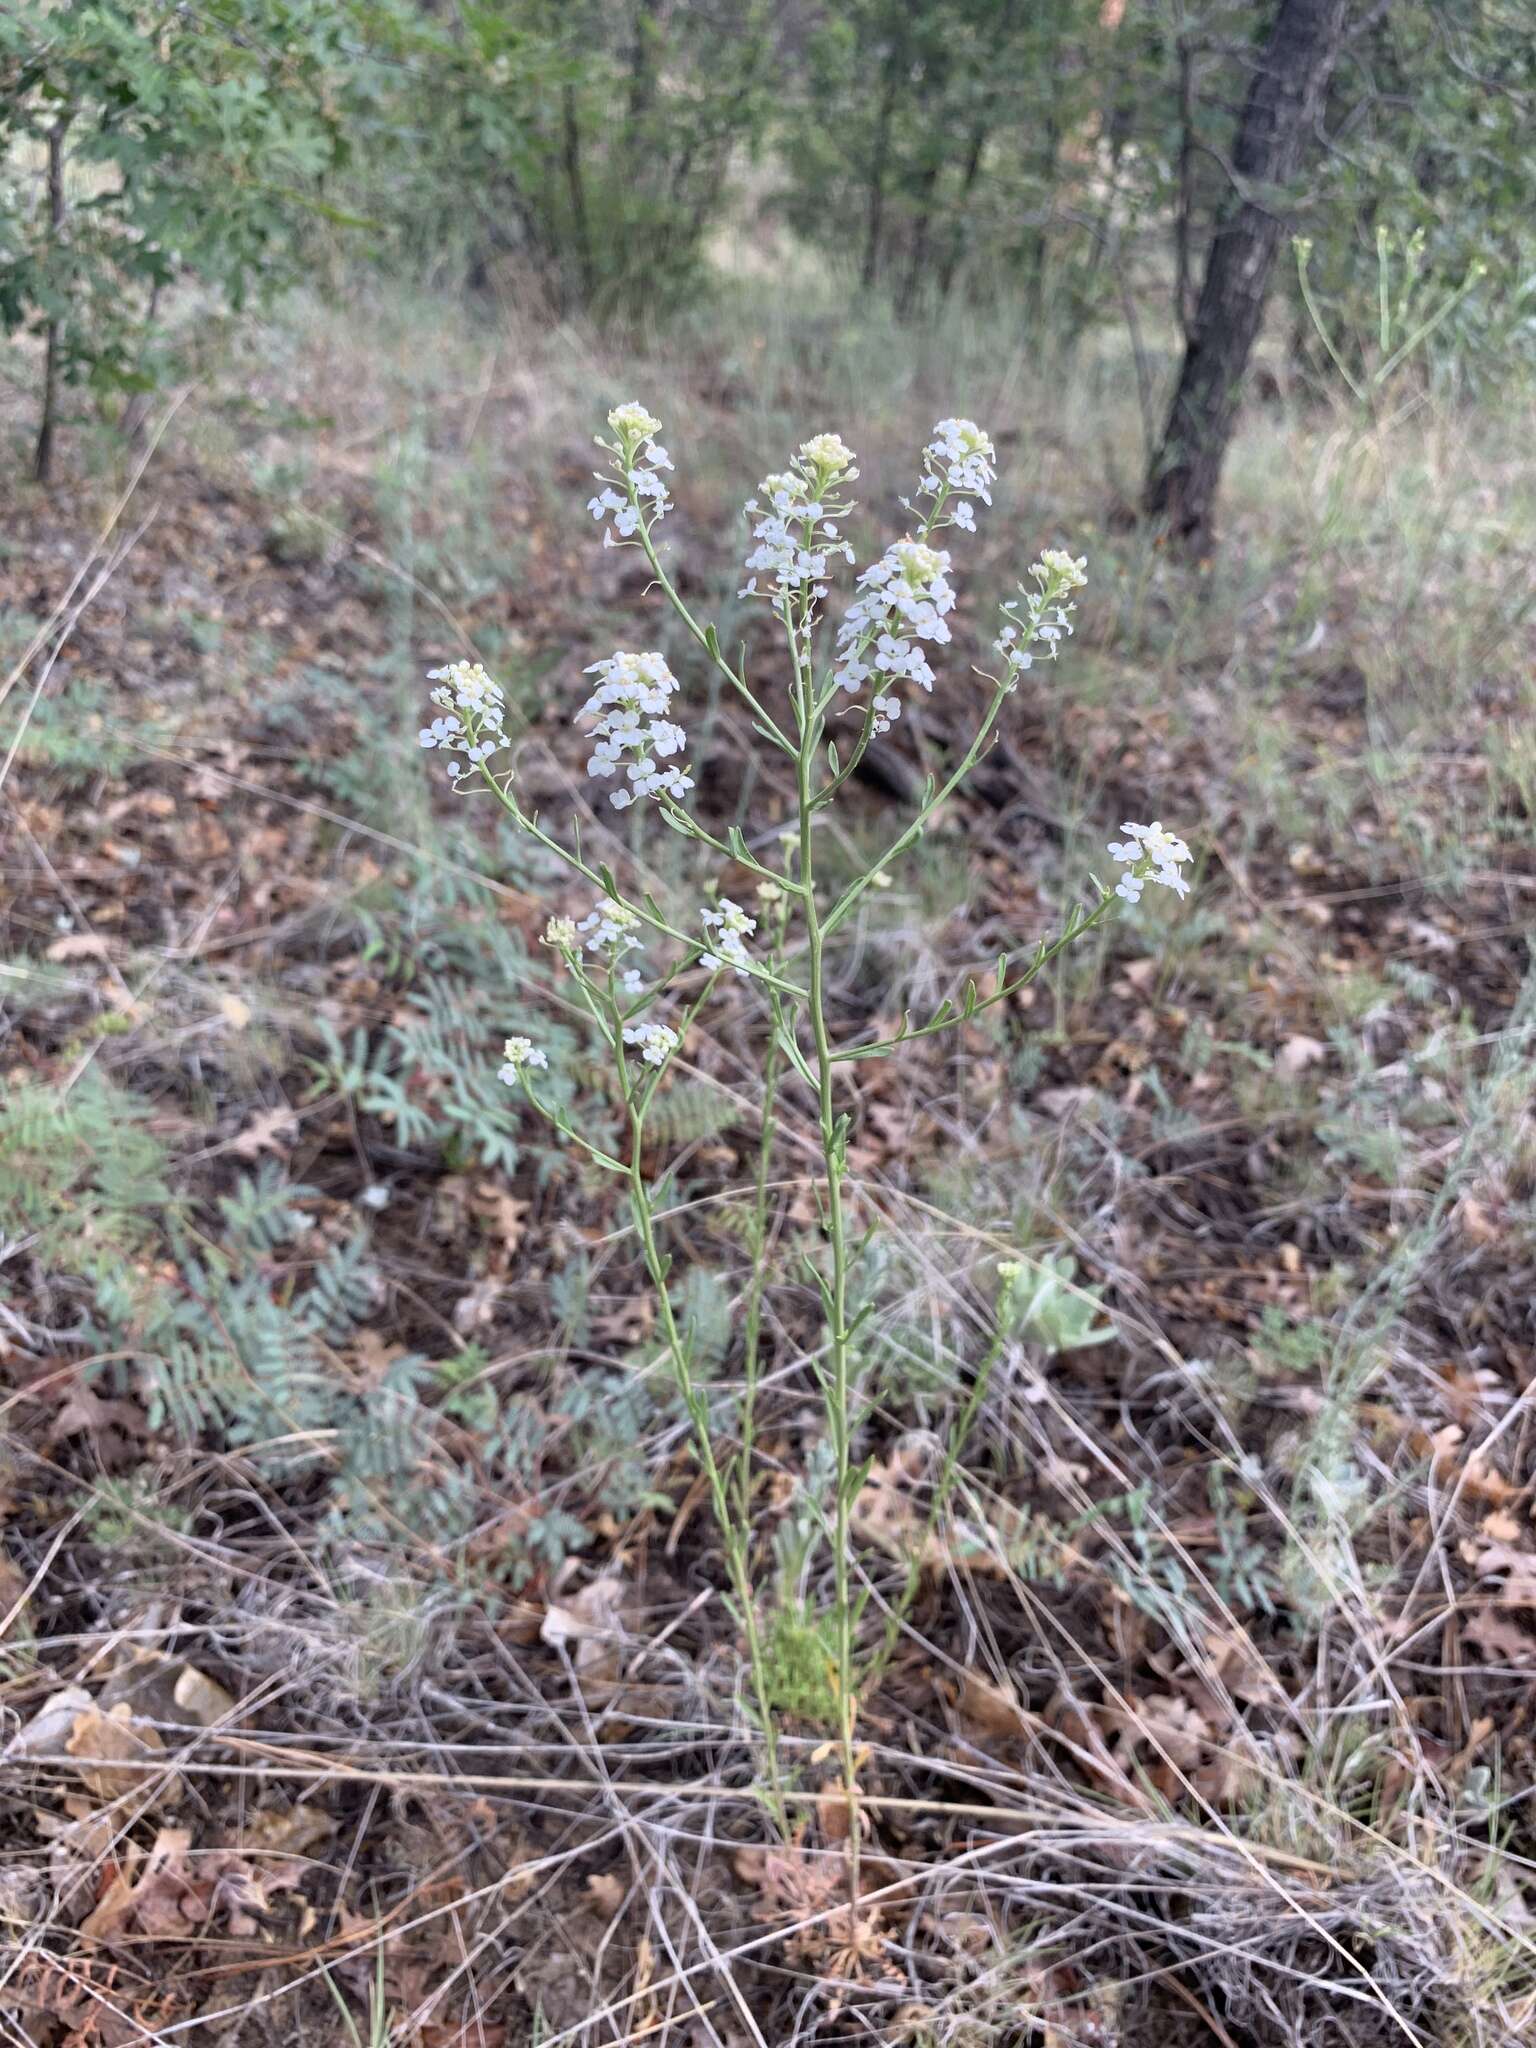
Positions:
{"x": 1070, "y": 154}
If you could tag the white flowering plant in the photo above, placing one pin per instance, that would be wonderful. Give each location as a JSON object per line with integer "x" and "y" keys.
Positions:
{"x": 645, "y": 976}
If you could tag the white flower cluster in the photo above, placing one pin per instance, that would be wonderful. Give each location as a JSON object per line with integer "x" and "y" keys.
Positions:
{"x": 1071, "y": 572}
{"x": 960, "y": 457}
{"x": 640, "y": 459}
{"x": 473, "y": 720}
{"x": 519, "y": 1053}
{"x": 610, "y": 929}
{"x": 630, "y": 705}
{"x": 906, "y": 598}
{"x": 729, "y": 928}
{"x": 795, "y": 537}
{"x": 1036, "y": 621}
{"x": 796, "y": 526}
{"x": 1149, "y": 854}
{"x": 657, "y": 1042}
{"x": 829, "y": 457}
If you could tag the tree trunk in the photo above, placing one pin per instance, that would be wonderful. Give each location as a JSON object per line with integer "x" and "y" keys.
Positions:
{"x": 895, "y": 58}
{"x": 917, "y": 254}
{"x": 644, "y": 44}
{"x": 1184, "y": 210}
{"x": 958, "y": 211}
{"x": 1281, "y": 106}
{"x": 42, "y": 460}
{"x": 570, "y": 125}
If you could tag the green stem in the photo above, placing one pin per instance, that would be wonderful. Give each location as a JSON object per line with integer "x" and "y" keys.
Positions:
{"x": 839, "y": 1383}
{"x": 757, "y": 1249}
{"x": 690, "y": 828}
{"x": 735, "y": 1533}
{"x": 605, "y": 884}
{"x": 1045, "y": 953}
{"x": 850, "y": 767}
{"x": 850, "y": 896}
{"x": 943, "y": 1487}
{"x": 704, "y": 635}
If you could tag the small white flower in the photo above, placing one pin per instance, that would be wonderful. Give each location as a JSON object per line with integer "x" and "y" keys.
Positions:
{"x": 631, "y": 729}
{"x": 473, "y": 723}
{"x": 783, "y": 489}
{"x": 919, "y": 563}
{"x": 1148, "y": 853}
{"x": 560, "y": 932}
{"x": 519, "y": 1054}
{"x": 904, "y": 597}
{"x": 639, "y": 460}
{"x": 610, "y": 929}
{"x": 729, "y": 928}
{"x": 1035, "y": 622}
{"x": 656, "y": 1042}
{"x": 797, "y": 534}
{"x": 961, "y": 457}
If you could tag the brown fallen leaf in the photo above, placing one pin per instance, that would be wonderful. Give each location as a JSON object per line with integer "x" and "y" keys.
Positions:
{"x": 176, "y": 1891}
{"x": 592, "y": 1620}
{"x": 1517, "y": 1567}
{"x": 78, "y": 946}
{"x": 886, "y": 1514}
{"x": 606, "y": 1893}
{"x": 79, "y": 1844}
{"x": 84, "y": 1412}
{"x": 476, "y": 1308}
{"x": 832, "y": 1814}
{"x": 1236, "y": 1661}
{"x": 993, "y": 1710}
{"x": 1299, "y": 1053}
{"x": 114, "y": 1902}
{"x": 202, "y": 1698}
{"x": 1499, "y": 1638}
{"x": 504, "y": 1212}
{"x": 102, "y": 1743}
{"x": 294, "y": 1833}
{"x": 49, "y": 1728}
{"x": 269, "y": 1130}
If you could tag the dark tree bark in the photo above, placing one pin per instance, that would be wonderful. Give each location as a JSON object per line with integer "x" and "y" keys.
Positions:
{"x": 895, "y": 62}
{"x": 1184, "y": 212}
{"x": 575, "y": 186}
{"x": 1278, "y": 113}
{"x": 968, "y": 178}
{"x": 42, "y": 458}
{"x": 917, "y": 254}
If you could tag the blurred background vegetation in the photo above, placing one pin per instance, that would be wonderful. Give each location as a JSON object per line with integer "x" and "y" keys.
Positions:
{"x": 1075, "y": 162}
